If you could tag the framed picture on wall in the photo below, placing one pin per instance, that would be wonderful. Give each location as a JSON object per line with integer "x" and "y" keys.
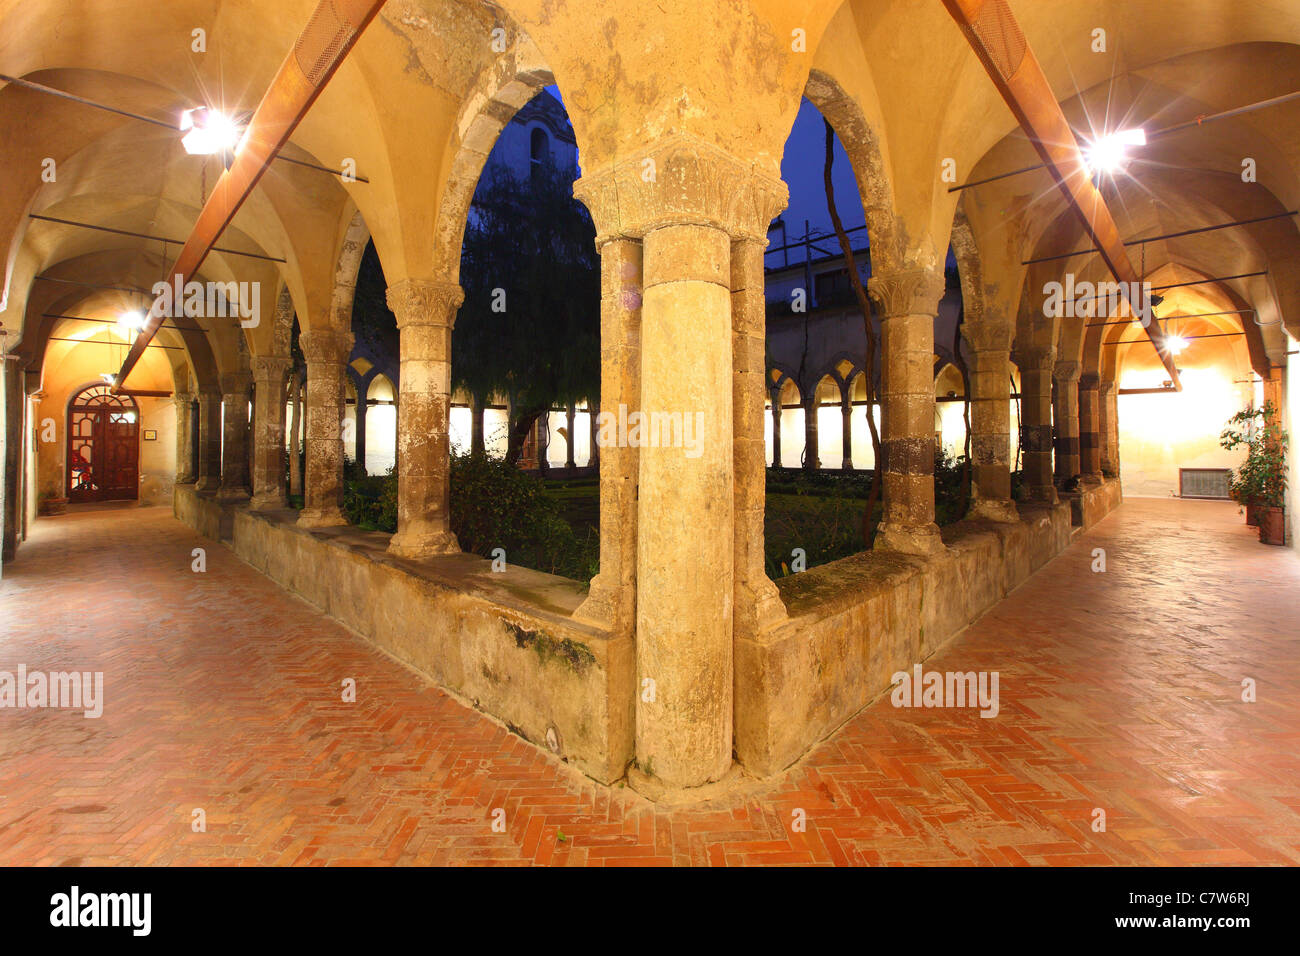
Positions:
{"x": 150, "y": 434}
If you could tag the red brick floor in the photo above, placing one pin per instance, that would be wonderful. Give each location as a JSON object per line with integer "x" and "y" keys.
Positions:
{"x": 1119, "y": 691}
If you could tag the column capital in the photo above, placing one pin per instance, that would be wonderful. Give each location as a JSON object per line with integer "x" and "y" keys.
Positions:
{"x": 681, "y": 180}
{"x": 271, "y": 368}
{"x": 233, "y": 383}
{"x": 209, "y": 391}
{"x": 988, "y": 337}
{"x": 1090, "y": 381}
{"x": 182, "y": 398}
{"x": 1105, "y": 387}
{"x": 326, "y": 346}
{"x": 1035, "y": 359}
{"x": 425, "y": 302}
{"x": 907, "y": 292}
{"x": 1066, "y": 373}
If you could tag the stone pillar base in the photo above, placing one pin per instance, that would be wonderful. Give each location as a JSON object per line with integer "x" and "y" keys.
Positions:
{"x": 995, "y": 509}
{"x": 1093, "y": 480}
{"x": 266, "y": 503}
{"x": 423, "y": 544}
{"x": 656, "y": 791}
{"x": 909, "y": 539}
{"x": 1044, "y": 493}
{"x": 322, "y": 518}
{"x": 206, "y": 485}
{"x": 232, "y": 494}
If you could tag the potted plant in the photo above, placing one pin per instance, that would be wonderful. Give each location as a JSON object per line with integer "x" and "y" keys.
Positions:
{"x": 1259, "y": 485}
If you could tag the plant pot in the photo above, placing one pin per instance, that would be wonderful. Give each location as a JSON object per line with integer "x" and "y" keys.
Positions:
{"x": 1252, "y": 514}
{"x": 1272, "y": 526}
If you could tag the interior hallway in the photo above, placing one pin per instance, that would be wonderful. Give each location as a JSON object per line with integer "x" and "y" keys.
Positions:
{"x": 1119, "y": 690}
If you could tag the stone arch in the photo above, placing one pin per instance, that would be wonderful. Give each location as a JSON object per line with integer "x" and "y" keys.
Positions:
{"x": 862, "y": 146}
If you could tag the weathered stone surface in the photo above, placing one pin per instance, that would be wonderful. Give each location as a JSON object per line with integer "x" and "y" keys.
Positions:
{"x": 326, "y": 351}
{"x": 270, "y": 374}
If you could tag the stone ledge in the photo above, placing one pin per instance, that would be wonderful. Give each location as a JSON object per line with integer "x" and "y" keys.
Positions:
{"x": 505, "y": 641}
{"x": 855, "y": 622}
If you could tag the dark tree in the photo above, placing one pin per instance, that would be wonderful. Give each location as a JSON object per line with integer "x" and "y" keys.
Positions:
{"x": 530, "y": 324}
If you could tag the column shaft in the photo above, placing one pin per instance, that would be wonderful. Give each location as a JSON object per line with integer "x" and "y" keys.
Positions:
{"x": 426, "y": 312}
{"x": 327, "y": 353}
{"x": 234, "y": 445}
{"x": 269, "y": 375}
{"x": 1090, "y": 434}
{"x": 612, "y": 599}
{"x": 757, "y": 602}
{"x": 183, "y": 403}
{"x": 1065, "y": 419}
{"x": 209, "y": 477}
{"x": 990, "y": 415}
{"x": 1036, "y": 424}
{"x": 685, "y": 540}
{"x": 908, "y": 302}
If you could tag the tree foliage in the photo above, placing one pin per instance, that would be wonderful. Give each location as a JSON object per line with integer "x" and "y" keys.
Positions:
{"x": 529, "y": 328}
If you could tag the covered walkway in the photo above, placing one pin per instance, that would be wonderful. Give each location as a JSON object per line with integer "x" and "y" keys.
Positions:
{"x": 1119, "y": 691}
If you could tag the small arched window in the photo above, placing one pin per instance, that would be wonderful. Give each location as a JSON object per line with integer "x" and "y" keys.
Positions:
{"x": 539, "y": 150}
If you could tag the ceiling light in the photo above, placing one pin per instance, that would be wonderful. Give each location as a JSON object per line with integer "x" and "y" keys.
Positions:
{"x": 108, "y": 377}
{"x": 1176, "y": 344}
{"x": 129, "y": 322}
{"x": 1108, "y": 153}
{"x": 208, "y": 131}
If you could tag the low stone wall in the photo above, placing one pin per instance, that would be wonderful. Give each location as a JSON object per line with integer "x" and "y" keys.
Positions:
{"x": 504, "y": 640}
{"x": 507, "y": 641}
{"x": 857, "y": 621}
{"x": 202, "y": 513}
{"x": 1091, "y": 503}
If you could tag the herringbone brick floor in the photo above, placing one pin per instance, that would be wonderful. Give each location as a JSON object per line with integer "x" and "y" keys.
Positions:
{"x": 1119, "y": 691}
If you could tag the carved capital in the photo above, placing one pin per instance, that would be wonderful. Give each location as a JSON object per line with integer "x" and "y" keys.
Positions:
{"x": 326, "y": 346}
{"x": 271, "y": 368}
{"x": 1090, "y": 381}
{"x": 681, "y": 180}
{"x": 988, "y": 336}
{"x": 182, "y": 398}
{"x": 236, "y": 383}
{"x": 425, "y": 302}
{"x": 1104, "y": 388}
{"x": 1034, "y": 359}
{"x": 910, "y": 292}
{"x": 1066, "y": 373}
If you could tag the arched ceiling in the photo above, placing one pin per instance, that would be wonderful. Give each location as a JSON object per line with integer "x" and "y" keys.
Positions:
{"x": 425, "y": 88}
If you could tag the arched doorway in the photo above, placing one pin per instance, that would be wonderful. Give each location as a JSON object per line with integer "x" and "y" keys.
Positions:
{"x": 103, "y": 446}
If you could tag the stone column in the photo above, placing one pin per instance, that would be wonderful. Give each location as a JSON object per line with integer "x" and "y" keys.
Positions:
{"x": 359, "y": 425}
{"x": 1065, "y": 419}
{"x": 326, "y": 351}
{"x": 1090, "y": 434}
{"x": 296, "y": 412}
{"x": 14, "y": 401}
{"x": 908, "y": 303}
{"x": 426, "y": 313}
{"x": 593, "y": 421}
{"x": 570, "y": 414}
{"x": 990, "y": 416}
{"x": 1108, "y": 406}
{"x": 269, "y": 375}
{"x": 758, "y": 604}
{"x": 209, "y": 438}
{"x": 686, "y": 215}
{"x": 811, "y": 451}
{"x": 183, "y": 403}
{"x": 611, "y": 602}
{"x": 1036, "y": 422}
{"x": 846, "y": 409}
{"x": 542, "y": 428}
{"x": 776, "y": 428}
{"x": 235, "y": 387}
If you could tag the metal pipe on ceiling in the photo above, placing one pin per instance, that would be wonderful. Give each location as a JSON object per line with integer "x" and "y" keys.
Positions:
{"x": 993, "y": 33}
{"x": 322, "y": 46}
